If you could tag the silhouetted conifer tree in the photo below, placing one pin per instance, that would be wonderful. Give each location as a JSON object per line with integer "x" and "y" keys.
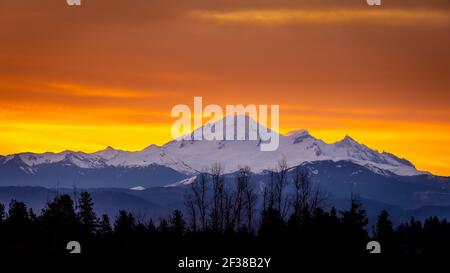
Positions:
{"x": 124, "y": 225}
{"x": 86, "y": 215}
{"x": 272, "y": 223}
{"x": 177, "y": 223}
{"x": 18, "y": 213}
{"x": 151, "y": 227}
{"x": 384, "y": 232}
{"x": 59, "y": 222}
{"x": 2, "y": 213}
{"x": 18, "y": 222}
{"x": 104, "y": 226}
{"x": 354, "y": 222}
{"x": 163, "y": 227}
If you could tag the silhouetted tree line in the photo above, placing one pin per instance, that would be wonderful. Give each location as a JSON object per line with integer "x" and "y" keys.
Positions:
{"x": 221, "y": 216}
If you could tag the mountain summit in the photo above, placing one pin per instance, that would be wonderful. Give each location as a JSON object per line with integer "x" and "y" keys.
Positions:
{"x": 192, "y": 156}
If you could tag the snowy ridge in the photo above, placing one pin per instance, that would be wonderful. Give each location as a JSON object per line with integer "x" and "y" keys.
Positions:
{"x": 183, "y": 182}
{"x": 191, "y": 157}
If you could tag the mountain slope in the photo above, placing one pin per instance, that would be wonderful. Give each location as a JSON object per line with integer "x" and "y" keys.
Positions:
{"x": 191, "y": 156}
{"x": 64, "y": 174}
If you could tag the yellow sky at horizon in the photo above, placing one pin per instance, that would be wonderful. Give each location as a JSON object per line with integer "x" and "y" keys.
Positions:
{"x": 133, "y": 134}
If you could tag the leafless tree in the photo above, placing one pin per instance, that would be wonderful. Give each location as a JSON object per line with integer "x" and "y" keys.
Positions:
{"x": 228, "y": 208}
{"x": 218, "y": 202}
{"x": 191, "y": 207}
{"x": 269, "y": 194}
{"x": 242, "y": 184}
{"x": 282, "y": 202}
{"x": 198, "y": 200}
{"x": 306, "y": 197}
{"x": 249, "y": 198}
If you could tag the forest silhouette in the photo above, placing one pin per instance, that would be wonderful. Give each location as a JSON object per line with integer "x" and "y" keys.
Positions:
{"x": 220, "y": 219}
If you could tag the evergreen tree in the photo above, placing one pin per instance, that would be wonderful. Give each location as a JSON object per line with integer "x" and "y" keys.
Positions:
{"x": 272, "y": 223}
{"x": 433, "y": 236}
{"x": 18, "y": 213}
{"x": 163, "y": 226}
{"x": 354, "y": 222}
{"x": 384, "y": 232}
{"x": 333, "y": 216}
{"x": 124, "y": 225}
{"x": 86, "y": 214}
{"x": 104, "y": 227}
{"x": 2, "y": 213}
{"x": 415, "y": 236}
{"x": 151, "y": 227}
{"x": 177, "y": 223}
{"x": 59, "y": 222}
{"x": 18, "y": 222}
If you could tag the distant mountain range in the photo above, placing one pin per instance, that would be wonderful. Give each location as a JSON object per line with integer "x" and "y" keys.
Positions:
{"x": 121, "y": 179}
{"x": 177, "y": 160}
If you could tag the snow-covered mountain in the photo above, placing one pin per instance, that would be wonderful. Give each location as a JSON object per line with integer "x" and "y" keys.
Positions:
{"x": 192, "y": 156}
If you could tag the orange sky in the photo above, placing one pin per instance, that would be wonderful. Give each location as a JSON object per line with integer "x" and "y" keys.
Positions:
{"x": 109, "y": 72}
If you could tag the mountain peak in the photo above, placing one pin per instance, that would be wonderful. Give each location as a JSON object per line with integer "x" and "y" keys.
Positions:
{"x": 152, "y": 147}
{"x": 347, "y": 140}
{"x": 299, "y": 136}
{"x": 297, "y": 147}
{"x": 231, "y": 123}
{"x": 238, "y": 120}
{"x": 301, "y": 132}
{"x": 108, "y": 152}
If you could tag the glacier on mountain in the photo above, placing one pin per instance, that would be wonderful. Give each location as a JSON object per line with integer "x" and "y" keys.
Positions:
{"x": 193, "y": 156}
